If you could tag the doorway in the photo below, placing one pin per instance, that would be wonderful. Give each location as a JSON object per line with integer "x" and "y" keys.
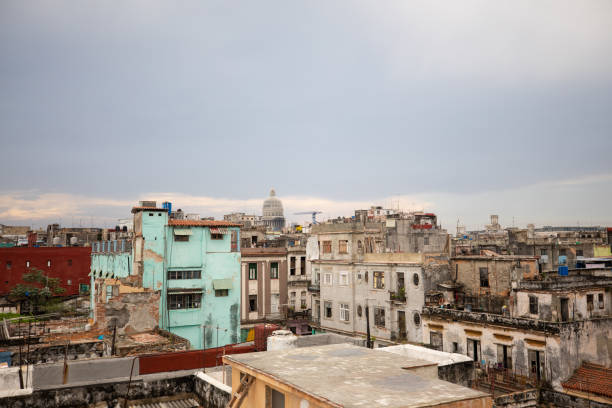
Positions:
{"x": 564, "y": 309}
{"x": 401, "y": 322}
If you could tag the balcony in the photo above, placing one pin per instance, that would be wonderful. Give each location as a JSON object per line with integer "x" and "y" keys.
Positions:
{"x": 314, "y": 287}
{"x": 397, "y": 297}
{"x": 299, "y": 278}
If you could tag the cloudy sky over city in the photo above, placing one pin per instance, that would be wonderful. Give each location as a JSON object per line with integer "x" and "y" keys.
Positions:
{"x": 462, "y": 108}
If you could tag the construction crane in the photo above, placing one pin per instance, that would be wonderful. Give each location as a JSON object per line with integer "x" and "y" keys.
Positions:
{"x": 313, "y": 213}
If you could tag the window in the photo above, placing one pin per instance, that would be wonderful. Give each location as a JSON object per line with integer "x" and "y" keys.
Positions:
{"x": 328, "y": 279}
{"x": 484, "y": 277}
{"x": 327, "y": 306}
{"x": 504, "y": 356}
{"x": 579, "y": 252}
{"x": 473, "y": 349}
{"x": 533, "y": 304}
{"x": 344, "y": 280}
{"x": 221, "y": 292}
{"x": 562, "y": 252}
{"x": 327, "y": 247}
{"x": 455, "y": 347}
{"x": 344, "y": 312}
{"x": 253, "y": 271}
{"x": 343, "y": 246}
{"x": 417, "y": 319}
{"x": 274, "y": 399}
{"x": 360, "y": 247}
{"x": 543, "y": 252}
{"x": 234, "y": 241}
{"x": 8, "y": 264}
{"x": 600, "y": 300}
{"x": 292, "y": 299}
{"x": 70, "y": 262}
{"x": 196, "y": 274}
{"x": 292, "y": 265}
{"x": 590, "y": 302}
{"x": 303, "y": 303}
{"x": 379, "y": 316}
{"x": 536, "y": 363}
{"x": 273, "y": 270}
{"x": 252, "y": 303}
{"x": 83, "y": 288}
{"x": 27, "y": 264}
{"x": 425, "y": 240}
{"x": 415, "y": 279}
{"x": 181, "y": 238}
{"x": 359, "y": 310}
{"x": 184, "y": 301}
{"x": 379, "y": 280}
{"x": 303, "y": 265}
{"x": 214, "y": 235}
{"x": 435, "y": 341}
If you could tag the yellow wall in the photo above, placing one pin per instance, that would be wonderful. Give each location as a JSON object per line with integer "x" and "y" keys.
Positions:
{"x": 602, "y": 250}
{"x": 256, "y": 397}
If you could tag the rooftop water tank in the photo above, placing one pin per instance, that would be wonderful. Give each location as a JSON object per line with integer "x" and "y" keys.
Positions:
{"x": 282, "y": 340}
{"x": 74, "y": 241}
{"x": 57, "y": 241}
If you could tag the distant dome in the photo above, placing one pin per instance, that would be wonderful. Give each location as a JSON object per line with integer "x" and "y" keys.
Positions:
{"x": 272, "y": 212}
{"x": 272, "y": 206}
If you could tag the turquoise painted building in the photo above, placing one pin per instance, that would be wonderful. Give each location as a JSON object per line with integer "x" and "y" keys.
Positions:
{"x": 194, "y": 266}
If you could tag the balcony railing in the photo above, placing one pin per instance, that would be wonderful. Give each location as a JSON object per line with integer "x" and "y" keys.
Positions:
{"x": 399, "y": 296}
{"x": 314, "y": 287}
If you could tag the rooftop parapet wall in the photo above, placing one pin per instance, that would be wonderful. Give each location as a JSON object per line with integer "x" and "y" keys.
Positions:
{"x": 577, "y": 279}
{"x": 493, "y": 319}
{"x": 390, "y": 257}
{"x": 515, "y": 322}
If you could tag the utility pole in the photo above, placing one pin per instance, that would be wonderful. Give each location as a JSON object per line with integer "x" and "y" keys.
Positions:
{"x": 368, "y": 340}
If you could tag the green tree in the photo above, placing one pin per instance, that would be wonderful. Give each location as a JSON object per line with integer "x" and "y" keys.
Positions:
{"x": 38, "y": 289}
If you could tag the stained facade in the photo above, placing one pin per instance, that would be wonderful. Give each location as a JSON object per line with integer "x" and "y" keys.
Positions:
{"x": 188, "y": 272}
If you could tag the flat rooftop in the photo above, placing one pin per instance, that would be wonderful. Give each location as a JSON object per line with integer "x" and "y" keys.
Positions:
{"x": 353, "y": 376}
{"x": 441, "y": 358}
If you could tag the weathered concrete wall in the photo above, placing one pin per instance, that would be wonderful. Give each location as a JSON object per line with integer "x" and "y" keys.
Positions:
{"x": 501, "y": 272}
{"x": 111, "y": 393}
{"x": 554, "y": 399}
{"x": 55, "y": 353}
{"x": 459, "y": 373}
{"x": 327, "y": 338}
{"x": 48, "y": 376}
{"x": 131, "y": 312}
{"x": 212, "y": 393}
{"x": 520, "y": 399}
{"x": 9, "y": 380}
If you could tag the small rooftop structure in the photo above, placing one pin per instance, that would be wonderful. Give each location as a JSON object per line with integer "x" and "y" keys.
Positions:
{"x": 350, "y": 376}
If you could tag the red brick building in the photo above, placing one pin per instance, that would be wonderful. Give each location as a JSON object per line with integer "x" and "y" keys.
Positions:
{"x": 70, "y": 264}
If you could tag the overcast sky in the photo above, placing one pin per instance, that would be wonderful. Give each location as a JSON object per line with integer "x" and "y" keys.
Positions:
{"x": 465, "y": 108}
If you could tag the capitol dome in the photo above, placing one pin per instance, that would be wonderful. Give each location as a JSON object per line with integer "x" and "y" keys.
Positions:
{"x": 272, "y": 211}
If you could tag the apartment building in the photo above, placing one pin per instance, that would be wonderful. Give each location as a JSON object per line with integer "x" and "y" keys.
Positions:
{"x": 359, "y": 284}
{"x": 555, "y": 323}
{"x": 182, "y": 275}
{"x": 264, "y": 285}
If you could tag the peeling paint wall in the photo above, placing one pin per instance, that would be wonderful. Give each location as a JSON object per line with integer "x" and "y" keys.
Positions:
{"x": 563, "y": 352}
